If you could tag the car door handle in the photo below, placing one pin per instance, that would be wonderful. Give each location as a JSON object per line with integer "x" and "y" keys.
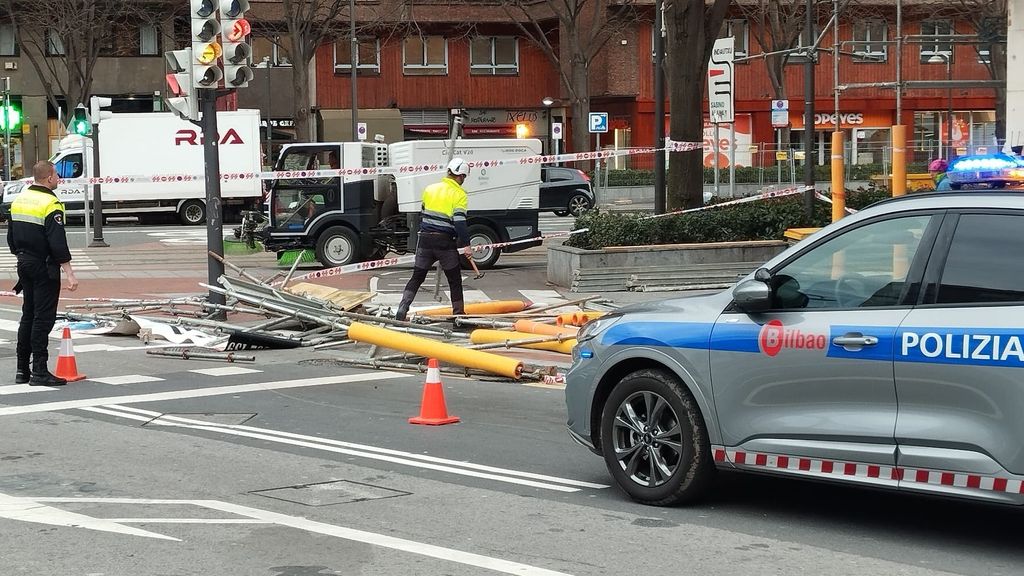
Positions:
{"x": 855, "y": 340}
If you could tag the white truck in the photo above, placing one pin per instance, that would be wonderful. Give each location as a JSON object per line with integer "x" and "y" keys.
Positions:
{"x": 357, "y": 218}
{"x": 159, "y": 144}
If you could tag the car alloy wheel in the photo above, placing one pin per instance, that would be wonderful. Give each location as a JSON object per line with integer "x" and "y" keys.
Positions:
{"x": 647, "y": 439}
{"x": 578, "y": 204}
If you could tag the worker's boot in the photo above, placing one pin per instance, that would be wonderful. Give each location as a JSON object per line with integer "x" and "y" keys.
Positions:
{"x": 23, "y": 374}
{"x": 41, "y": 375}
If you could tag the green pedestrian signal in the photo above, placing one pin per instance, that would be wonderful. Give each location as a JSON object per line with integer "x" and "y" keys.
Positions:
{"x": 10, "y": 118}
{"x": 80, "y": 123}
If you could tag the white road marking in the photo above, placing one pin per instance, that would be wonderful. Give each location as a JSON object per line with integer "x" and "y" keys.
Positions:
{"x": 470, "y": 296}
{"x": 126, "y": 379}
{"x": 29, "y": 510}
{"x": 188, "y": 521}
{"x": 79, "y": 260}
{"x": 225, "y": 371}
{"x": 361, "y": 450}
{"x": 23, "y": 389}
{"x": 197, "y": 393}
{"x": 268, "y": 517}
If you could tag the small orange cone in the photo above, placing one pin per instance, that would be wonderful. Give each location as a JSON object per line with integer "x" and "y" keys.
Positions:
{"x": 432, "y": 410}
{"x": 66, "y": 366}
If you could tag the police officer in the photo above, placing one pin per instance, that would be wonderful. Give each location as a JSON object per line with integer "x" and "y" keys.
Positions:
{"x": 36, "y": 235}
{"x": 442, "y": 233}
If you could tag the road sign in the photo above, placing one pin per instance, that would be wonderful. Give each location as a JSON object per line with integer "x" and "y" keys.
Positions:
{"x": 598, "y": 122}
{"x": 720, "y": 81}
{"x": 556, "y": 130}
{"x": 361, "y": 130}
{"x": 780, "y": 113}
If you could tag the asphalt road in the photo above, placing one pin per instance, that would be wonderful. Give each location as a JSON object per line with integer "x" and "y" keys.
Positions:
{"x": 297, "y": 466}
{"x": 301, "y": 467}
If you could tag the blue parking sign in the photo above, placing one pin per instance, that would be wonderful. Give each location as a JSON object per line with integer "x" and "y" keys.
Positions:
{"x": 598, "y": 122}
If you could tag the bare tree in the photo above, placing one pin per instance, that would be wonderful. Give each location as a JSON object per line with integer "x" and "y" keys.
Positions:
{"x": 64, "y": 39}
{"x": 692, "y": 26}
{"x": 571, "y": 33}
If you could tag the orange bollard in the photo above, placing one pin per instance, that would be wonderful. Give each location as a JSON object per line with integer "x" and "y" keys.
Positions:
{"x": 479, "y": 308}
{"x": 577, "y": 318}
{"x": 531, "y": 327}
{"x": 67, "y": 368}
{"x": 433, "y": 411}
{"x": 482, "y": 336}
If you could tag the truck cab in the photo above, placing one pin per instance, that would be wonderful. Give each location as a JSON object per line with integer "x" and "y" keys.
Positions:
{"x": 363, "y": 216}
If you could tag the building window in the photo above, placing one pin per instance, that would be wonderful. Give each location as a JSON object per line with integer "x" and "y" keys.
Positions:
{"x": 799, "y": 55}
{"x": 494, "y": 55}
{"x": 149, "y": 40}
{"x": 988, "y": 31}
{"x": 937, "y": 49}
{"x": 272, "y": 51}
{"x": 8, "y": 43}
{"x": 869, "y": 38}
{"x": 54, "y": 44}
{"x": 425, "y": 55}
{"x": 367, "y": 56}
{"x": 739, "y": 29}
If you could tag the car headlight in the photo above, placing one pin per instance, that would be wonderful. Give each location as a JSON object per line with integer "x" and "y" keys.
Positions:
{"x": 593, "y": 328}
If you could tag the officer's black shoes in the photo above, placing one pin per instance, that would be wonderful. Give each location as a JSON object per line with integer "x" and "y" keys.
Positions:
{"x": 21, "y": 377}
{"x": 46, "y": 379}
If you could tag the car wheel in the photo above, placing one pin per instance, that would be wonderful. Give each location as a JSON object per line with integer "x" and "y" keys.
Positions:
{"x": 579, "y": 204}
{"x": 654, "y": 439}
{"x": 478, "y": 235}
{"x": 337, "y": 246}
{"x": 192, "y": 213}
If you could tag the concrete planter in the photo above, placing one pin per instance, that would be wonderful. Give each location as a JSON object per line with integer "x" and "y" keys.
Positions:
{"x": 632, "y": 267}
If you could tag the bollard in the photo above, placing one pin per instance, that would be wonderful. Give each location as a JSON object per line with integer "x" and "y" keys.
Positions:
{"x": 838, "y": 178}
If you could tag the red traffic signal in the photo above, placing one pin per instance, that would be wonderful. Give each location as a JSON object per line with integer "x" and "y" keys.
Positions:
{"x": 239, "y": 30}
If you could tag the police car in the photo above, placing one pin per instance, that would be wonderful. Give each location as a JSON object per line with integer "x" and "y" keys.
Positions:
{"x": 990, "y": 170}
{"x": 886, "y": 350}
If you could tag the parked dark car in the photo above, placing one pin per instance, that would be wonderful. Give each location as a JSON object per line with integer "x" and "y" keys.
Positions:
{"x": 565, "y": 191}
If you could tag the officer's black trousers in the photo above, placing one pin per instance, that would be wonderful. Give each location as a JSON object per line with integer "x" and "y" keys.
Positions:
{"x": 38, "y": 311}
{"x": 432, "y": 248}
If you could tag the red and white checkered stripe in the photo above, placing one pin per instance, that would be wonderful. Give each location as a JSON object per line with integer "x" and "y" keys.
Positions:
{"x": 870, "y": 473}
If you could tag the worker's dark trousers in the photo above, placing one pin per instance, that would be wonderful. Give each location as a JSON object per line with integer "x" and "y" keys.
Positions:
{"x": 38, "y": 312}
{"x": 429, "y": 249}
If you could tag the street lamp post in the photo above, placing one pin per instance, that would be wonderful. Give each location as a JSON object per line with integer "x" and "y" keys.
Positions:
{"x": 269, "y": 133}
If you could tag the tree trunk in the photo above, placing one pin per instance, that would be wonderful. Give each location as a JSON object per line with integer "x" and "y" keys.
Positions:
{"x": 685, "y": 51}
{"x": 303, "y": 118}
{"x": 580, "y": 105}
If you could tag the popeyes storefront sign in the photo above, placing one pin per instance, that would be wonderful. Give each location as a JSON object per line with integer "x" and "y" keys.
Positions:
{"x": 847, "y": 120}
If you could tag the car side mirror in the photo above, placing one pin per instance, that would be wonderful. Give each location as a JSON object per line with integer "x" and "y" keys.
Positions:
{"x": 754, "y": 295}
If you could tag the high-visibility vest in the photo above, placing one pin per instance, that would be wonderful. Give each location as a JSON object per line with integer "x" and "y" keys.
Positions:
{"x": 444, "y": 203}
{"x": 32, "y": 207}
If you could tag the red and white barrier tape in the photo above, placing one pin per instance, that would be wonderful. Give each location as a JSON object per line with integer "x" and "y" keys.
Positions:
{"x": 406, "y": 170}
{"x": 829, "y": 200}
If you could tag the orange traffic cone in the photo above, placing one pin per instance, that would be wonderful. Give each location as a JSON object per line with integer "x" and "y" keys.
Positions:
{"x": 66, "y": 366}
{"x": 432, "y": 410}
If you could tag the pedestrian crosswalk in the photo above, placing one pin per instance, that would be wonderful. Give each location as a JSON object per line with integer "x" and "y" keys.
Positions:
{"x": 388, "y": 292}
{"x": 79, "y": 261}
{"x": 126, "y": 380}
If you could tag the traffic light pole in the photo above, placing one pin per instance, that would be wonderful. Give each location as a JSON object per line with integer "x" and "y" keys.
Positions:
{"x": 214, "y": 222}
{"x": 97, "y": 199}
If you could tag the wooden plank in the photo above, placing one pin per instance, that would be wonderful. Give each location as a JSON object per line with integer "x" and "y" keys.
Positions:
{"x": 344, "y": 299}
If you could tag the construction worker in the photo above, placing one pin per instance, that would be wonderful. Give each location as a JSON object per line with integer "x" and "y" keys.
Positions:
{"x": 443, "y": 234}
{"x": 36, "y": 236}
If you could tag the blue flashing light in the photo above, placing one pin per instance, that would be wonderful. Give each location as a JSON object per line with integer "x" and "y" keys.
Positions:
{"x": 586, "y": 353}
{"x": 992, "y": 162}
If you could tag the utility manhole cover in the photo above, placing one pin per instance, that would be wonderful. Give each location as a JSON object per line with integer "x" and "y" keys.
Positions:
{"x": 175, "y": 419}
{"x": 330, "y": 493}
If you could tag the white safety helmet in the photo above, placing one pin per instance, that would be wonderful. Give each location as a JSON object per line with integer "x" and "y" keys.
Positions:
{"x": 458, "y": 167}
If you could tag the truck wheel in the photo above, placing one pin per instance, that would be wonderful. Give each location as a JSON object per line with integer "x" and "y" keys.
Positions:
{"x": 192, "y": 213}
{"x": 654, "y": 440}
{"x": 478, "y": 235}
{"x": 337, "y": 246}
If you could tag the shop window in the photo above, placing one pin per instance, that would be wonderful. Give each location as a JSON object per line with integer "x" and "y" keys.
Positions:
{"x": 425, "y": 56}
{"x": 869, "y": 38}
{"x": 8, "y": 43}
{"x": 270, "y": 51}
{"x": 939, "y": 47}
{"x": 367, "y": 56}
{"x": 496, "y": 55}
{"x": 739, "y": 29}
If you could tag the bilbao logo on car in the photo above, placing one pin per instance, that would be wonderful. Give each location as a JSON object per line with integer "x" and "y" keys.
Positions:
{"x": 774, "y": 336}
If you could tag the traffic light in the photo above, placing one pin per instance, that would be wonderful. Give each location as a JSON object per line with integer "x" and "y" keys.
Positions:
{"x": 206, "y": 47}
{"x": 235, "y": 30}
{"x": 80, "y": 123}
{"x": 10, "y": 118}
{"x": 182, "y": 98}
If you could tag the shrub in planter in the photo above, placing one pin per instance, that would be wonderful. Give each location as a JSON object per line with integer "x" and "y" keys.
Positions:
{"x": 757, "y": 220}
